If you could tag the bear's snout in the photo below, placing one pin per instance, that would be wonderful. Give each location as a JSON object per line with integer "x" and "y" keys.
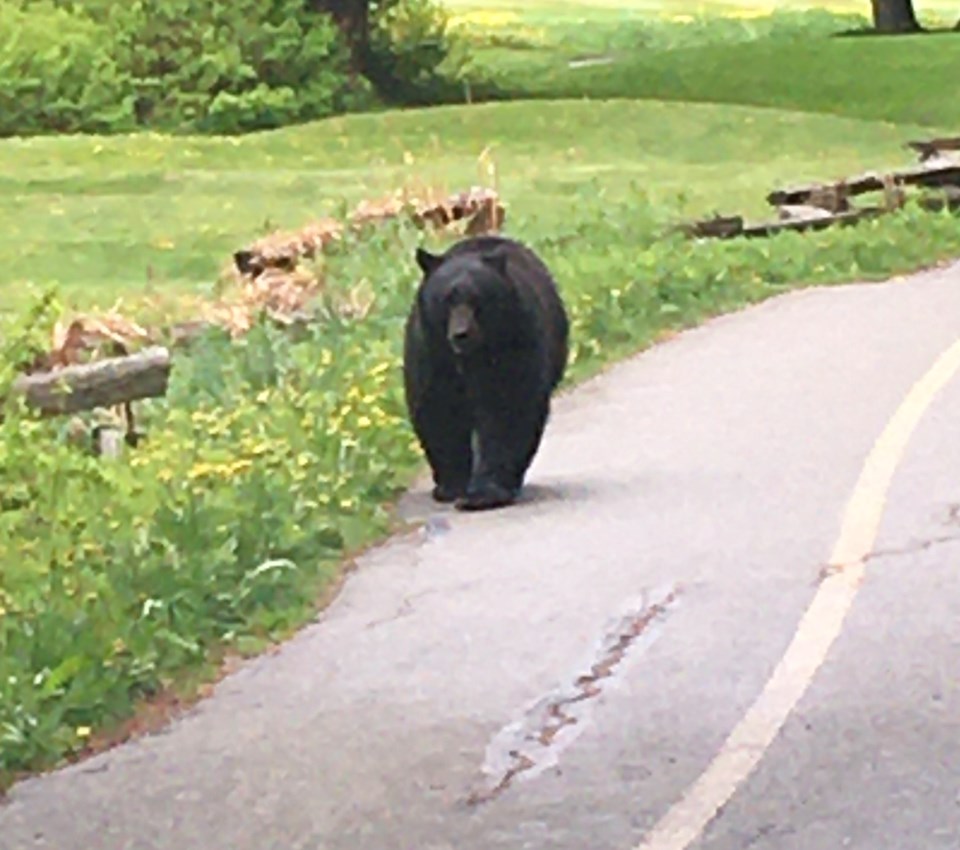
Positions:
{"x": 462, "y": 331}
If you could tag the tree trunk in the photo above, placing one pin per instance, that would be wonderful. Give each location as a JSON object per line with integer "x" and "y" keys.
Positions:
{"x": 353, "y": 18}
{"x": 893, "y": 16}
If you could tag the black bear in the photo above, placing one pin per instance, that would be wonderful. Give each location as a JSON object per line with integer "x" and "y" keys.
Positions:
{"x": 485, "y": 345}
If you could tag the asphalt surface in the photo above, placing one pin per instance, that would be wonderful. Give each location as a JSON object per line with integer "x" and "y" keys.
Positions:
{"x": 558, "y": 674}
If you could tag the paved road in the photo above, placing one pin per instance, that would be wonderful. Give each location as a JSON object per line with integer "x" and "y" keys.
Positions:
{"x": 565, "y": 674}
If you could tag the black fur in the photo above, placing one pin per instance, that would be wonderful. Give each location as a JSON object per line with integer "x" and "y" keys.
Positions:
{"x": 486, "y": 345}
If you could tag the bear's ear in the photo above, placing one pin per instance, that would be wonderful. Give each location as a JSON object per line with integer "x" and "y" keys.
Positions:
{"x": 497, "y": 260}
{"x": 427, "y": 261}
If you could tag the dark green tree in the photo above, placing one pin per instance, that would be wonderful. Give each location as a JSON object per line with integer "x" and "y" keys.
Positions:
{"x": 353, "y": 18}
{"x": 396, "y": 44}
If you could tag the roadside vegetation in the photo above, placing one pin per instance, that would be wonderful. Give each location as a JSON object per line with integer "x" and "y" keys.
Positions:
{"x": 275, "y": 457}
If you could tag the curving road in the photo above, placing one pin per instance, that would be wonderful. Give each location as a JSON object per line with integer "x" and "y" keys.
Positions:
{"x": 728, "y": 617}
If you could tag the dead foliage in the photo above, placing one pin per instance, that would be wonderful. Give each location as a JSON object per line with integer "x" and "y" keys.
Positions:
{"x": 269, "y": 277}
{"x": 282, "y": 249}
{"x": 479, "y": 210}
{"x": 89, "y": 337}
{"x": 282, "y": 295}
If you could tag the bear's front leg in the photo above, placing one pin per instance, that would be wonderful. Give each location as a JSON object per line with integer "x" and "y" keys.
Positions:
{"x": 501, "y": 454}
{"x": 442, "y": 425}
{"x": 449, "y": 457}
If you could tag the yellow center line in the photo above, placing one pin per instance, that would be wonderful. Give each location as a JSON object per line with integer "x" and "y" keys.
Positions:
{"x": 818, "y": 628}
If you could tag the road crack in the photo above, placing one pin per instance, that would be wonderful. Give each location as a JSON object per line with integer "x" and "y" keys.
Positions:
{"x": 532, "y": 744}
{"x": 891, "y": 552}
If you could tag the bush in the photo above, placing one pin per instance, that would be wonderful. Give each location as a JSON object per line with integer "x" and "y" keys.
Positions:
{"x": 212, "y": 66}
{"x": 261, "y": 107}
{"x": 409, "y": 43}
{"x": 57, "y": 74}
{"x": 221, "y": 66}
{"x": 209, "y": 65}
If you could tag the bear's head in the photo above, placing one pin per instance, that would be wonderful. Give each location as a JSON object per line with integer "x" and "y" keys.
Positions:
{"x": 468, "y": 298}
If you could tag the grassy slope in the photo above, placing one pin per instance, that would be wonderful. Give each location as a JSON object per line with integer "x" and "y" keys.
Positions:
{"x": 97, "y": 214}
{"x": 896, "y": 80}
{"x": 779, "y": 55}
{"x": 106, "y": 217}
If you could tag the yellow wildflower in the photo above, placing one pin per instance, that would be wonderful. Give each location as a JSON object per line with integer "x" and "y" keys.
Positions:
{"x": 238, "y": 466}
{"x": 199, "y": 470}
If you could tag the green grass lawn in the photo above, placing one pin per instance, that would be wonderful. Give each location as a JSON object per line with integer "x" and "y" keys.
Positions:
{"x": 883, "y": 79}
{"x": 120, "y": 216}
{"x": 789, "y": 59}
{"x": 110, "y": 217}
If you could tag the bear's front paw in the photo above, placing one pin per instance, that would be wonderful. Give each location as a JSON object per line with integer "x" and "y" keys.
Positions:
{"x": 486, "y": 497}
{"x": 445, "y": 493}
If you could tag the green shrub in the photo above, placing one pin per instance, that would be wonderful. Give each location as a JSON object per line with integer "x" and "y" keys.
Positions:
{"x": 409, "y": 43}
{"x": 224, "y": 66}
{"x": 260, "y": 107}
{"x": 57, "y": 74}
{"x": 215, "y": 65}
